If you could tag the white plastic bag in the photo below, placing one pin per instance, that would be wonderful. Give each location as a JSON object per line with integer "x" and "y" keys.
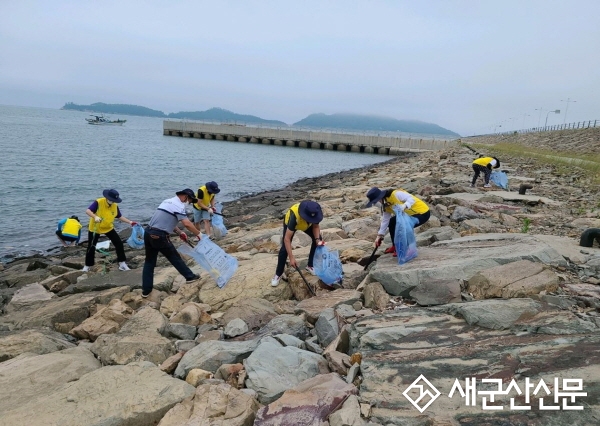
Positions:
{"x": 220, "y": 265}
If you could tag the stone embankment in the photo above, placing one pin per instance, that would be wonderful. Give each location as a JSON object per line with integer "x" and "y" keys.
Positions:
{"x": 500, "y": 292}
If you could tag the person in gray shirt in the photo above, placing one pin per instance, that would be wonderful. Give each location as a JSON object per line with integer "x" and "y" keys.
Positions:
{"x": 156, "y": 237}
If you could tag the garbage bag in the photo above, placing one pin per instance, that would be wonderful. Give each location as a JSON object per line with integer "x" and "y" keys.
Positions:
{"x": 404, "y": 237}
{"x": 220, "y": 265}
{"x": 136, "y": 240}
{"x": 217, "y": 222}
{"x": 328, "y": 266}
{"x": 499, "y": 179}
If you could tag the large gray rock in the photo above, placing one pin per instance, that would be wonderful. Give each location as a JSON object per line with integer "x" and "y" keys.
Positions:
{"x": 517, "y": 279}
{"x": 28, "y": 377}
{"x": 140, "y": 339}
{"x": 430, "y": 236}
{"x": 112, "y": 279}
{"x": 348, "y": 415}
{"x": 376, "y": 296}
{"x": 210, "y": 355}
{"x": 214, "y": 404}
{"x": 255, "y": 312}
{"x": 138, "y": 394}
{"x": 272, "y": 369}
{"x": 436, "y": 292}
{"x": 463, "y": 213}
{"x": 284, "y": 324}
{"x": 28, "y": 296}
{"x": 182, "y": 331}
{"x": 447, "y": 348}
{"x": 235, "y": 327}
{"x": 327, "y": 327}
{"x": 107, "y": 320}
{"x": 308, "y": 403}
{"x": 460, "y": 259}
{"x": 37, "y": 342}
{"x": 315, "y": 305}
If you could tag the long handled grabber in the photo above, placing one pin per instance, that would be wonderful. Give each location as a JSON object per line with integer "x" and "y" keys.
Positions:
{"x": 370, "y": 258}
{"x": 306, "y": 282}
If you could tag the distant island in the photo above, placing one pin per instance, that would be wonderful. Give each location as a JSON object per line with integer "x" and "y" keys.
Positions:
{"x": 354, "y": 122}
{"x": 367, "y": 122}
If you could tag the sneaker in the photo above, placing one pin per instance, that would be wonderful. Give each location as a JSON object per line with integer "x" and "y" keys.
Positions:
{"x": 123, "y": 267}
{"x": 194, "y": 278}
{"x": 472, "y": 186}
{"x": 275, "y": 281}
{"x": 487, "y": 185}
{"x": 145, "y": 295}
{"x": 310, "y": 270}
{"x": 391, "y": 249}
{"x": 86, "y": 269}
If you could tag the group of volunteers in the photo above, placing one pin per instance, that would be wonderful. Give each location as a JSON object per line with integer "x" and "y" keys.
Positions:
{"x": 304, "y": 216}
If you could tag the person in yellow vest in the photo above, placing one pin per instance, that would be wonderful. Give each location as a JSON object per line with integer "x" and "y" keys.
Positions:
{"x": 396, "y": 197}
{"x": 304, "y": 216}
{"x": 68, "y": 231}
{"x": 485, "y": 165}
{"x": 103, "y": 213}
{"x": 205, "y": 207}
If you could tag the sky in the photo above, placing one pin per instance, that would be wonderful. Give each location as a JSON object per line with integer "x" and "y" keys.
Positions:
{"x": 473, "y": 67}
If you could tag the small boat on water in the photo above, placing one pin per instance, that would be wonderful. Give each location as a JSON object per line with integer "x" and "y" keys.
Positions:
{"x": 100, "y": 120}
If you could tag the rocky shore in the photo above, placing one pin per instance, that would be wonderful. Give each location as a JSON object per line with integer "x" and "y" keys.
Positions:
{"x": 500, "y": 293}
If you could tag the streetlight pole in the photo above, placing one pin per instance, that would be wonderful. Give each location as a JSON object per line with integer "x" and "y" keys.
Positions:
{"x": 567, "y": 109}
{"x": 523, "y": 125}
{"x": 540, "y": 116}
{"x": 556, "y": 111}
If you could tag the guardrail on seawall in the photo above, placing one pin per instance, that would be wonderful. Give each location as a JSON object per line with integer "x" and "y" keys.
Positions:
{"x": 335, "y": 141}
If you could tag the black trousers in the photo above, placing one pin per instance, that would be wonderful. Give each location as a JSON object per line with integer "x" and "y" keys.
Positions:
{"x": 283, "y": 254}
{"x": 478, "y": 169}
{"x": 423, "y": 217}
{"x": 93, "y": 240}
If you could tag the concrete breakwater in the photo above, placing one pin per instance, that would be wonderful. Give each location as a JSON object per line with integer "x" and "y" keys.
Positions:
{"x": 333, "y": 141}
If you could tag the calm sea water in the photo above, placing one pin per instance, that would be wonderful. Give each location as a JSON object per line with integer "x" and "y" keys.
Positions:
{"x": 54, "y": 164}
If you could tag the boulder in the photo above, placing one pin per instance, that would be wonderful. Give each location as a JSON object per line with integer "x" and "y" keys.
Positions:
{"x": 460, "y": 259}
{"x": 283, "y": 324}
{"x": 432, "y": 235}
{"x": 235, "y": 327}
{"x": 111, "y": 279}
{"x": 192, "y": 314}
{"x": 182, "y": 331}
{"x": 308, "y": 403}
{"x": 140, "y": 339}
{"x": 210, "y": 355}
{"x": 255, "y": 312}
{"x": 516, "y": 279}
{"x": 213, "y": 404}
{"x": 436, "y": 292}
{"x": 376, "y": 296}
{"x": 363, "y": 228}
{"x": 107, "y": 320}
{"x": 137, "y": 394}
{"x": 27, "y": 377}
{"x": 251, "y": 280}
{"x": 315, "y": 305}
{"x": 36, "y": 341}
{"x": 473, "y": 226}
{"x": 197, "y": 375}
{"x": 348, "y": 414}
{"x": 28, "y": 296}
{"x": 327, "y": 327}
{"x": 272, "y": 369}
{"x": 287, "y": 340}
{"x": 170, "y": 364}
{"x": 463, "y": 213}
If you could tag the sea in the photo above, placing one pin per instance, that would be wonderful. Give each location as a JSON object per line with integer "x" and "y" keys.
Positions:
{"x": 54, "y": 165}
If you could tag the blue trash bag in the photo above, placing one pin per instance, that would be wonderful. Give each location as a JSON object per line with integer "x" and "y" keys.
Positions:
{"x": 217, "y": 222}
{"x": 499, "y": 179}
{"x": 328, "y": 266}
{"x": 136, "y": 240}
{"x": 220, "y": 265}
{"x": 404, "y": 238}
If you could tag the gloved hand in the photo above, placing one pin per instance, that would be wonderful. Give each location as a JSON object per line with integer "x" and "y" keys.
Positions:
{"x": 97, "y": 219}
{"x": 402, "y": 207}
{"x": 378, "y": 241}
{"x": 183, "y": 236}
{"x": 321, "y": 243}
{"x": 198, "y": 237}
{"x": 211, "y": 210}
{"x": 133, "y": 223}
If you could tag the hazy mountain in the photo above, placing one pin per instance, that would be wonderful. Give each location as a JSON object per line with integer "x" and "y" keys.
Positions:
{"x": 220, "y": 114}
{"x": 115, "y": 109}
{"x": 373, "y": 123}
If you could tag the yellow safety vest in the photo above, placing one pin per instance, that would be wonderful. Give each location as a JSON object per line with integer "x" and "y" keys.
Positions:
{"x": 107, "y": 213}
{"x": 483, "y": 161}
{"x": 206, "y": 199}
{"x": 301, "y": 224}
{"x": 419, "y": 207}
{"x": 71, "y": 228}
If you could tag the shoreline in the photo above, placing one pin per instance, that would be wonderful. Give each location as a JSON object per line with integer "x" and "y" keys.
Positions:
{"x": 240, "y": 206}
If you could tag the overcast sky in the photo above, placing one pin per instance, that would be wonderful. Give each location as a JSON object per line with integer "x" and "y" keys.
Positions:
{"x": 465, "y": 65}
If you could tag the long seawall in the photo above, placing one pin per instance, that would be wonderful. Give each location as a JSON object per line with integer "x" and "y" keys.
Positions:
{"x": 333, "y": 141}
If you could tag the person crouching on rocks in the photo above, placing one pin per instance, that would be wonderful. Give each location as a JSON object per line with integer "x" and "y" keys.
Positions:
{"x": 204, "y": 207}
{"x": 304, "y": 216}
{"x": 389, "y": 198}
{"x": 103, "y": 213}
{"x": 156, "y": 238}
{"x": 68, "y": 231}
{"x": 485, "y": 165}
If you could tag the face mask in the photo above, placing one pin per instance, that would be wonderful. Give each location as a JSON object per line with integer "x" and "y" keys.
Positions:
{"x": 109, "y": 202}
